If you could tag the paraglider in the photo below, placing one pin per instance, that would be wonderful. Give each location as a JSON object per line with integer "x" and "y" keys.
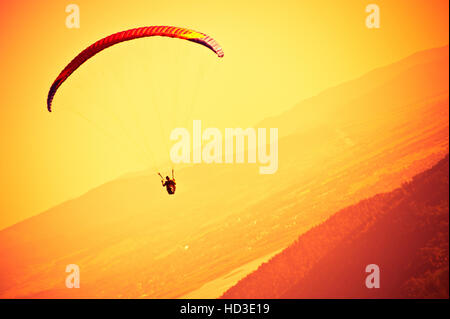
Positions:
{"x": 164, "y": 31}
{"x": 169, "y": 183}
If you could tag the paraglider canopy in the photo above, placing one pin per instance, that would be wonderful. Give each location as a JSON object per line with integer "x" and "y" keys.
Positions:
{"x": 164, "y": 31}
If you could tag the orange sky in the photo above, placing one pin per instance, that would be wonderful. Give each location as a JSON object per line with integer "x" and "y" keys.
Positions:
{"x": 276, "y": 54}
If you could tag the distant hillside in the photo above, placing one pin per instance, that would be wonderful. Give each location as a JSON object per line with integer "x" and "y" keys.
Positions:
{"x": 378, "y": 94}
{"x": 132, "y": 241}
{"x": 405, "y": 232}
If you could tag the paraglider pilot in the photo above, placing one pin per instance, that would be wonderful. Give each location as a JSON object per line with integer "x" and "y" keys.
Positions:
{"x": 169, "y": 183}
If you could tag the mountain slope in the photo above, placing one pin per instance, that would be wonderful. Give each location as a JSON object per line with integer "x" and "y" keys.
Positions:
{"x": 404, "y": 232}
{"x": 132, "y": 240}
{"x": 417, "y": 78}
